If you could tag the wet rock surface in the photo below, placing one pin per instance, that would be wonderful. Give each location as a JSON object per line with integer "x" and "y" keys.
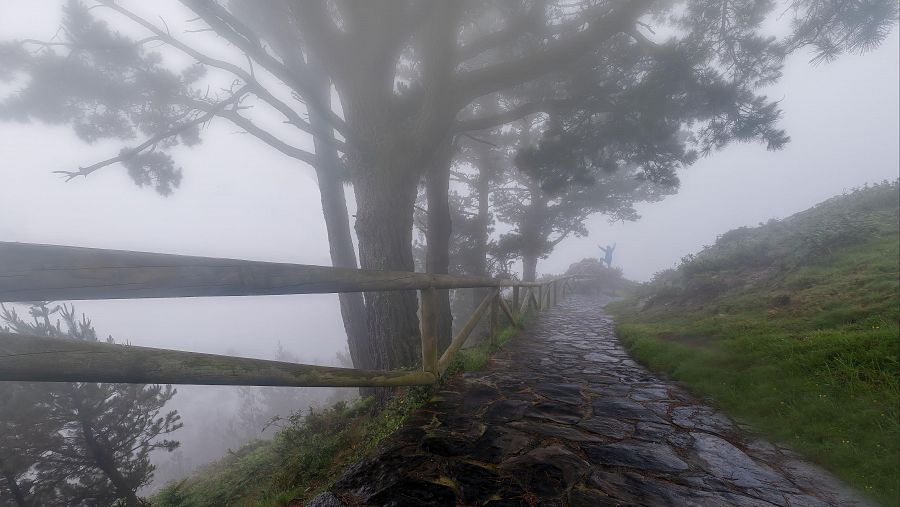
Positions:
{"x": 562, "y": 416}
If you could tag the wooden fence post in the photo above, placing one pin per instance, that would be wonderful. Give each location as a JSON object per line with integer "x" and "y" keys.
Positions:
{"x": 508, "y": 312}
{"x": 460, "y": 339}
{"x": 515, "y": 301}
{"x": 429, "y": 330}
{"x": 526, "y": 301}
{"x": 495, "y": 319}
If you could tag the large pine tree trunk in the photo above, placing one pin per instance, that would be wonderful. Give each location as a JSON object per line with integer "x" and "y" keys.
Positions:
{"x": 486, "y": 169}
{"x": 328, "y": 172}
{"x": 392, "y": 145}
{"x": 385, "y": 198}
{"x": 337, "y": 223}
{"x": 529, "y": 267}
{"x": 353, "y": 308}
{"x": 530, "y": 228}
{"x": 437, "y": 259}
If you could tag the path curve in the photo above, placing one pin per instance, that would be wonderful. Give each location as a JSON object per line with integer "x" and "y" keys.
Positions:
{"x": 562, "y": 416}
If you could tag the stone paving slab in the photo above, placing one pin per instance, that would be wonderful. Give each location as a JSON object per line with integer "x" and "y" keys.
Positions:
{"x": 563, "y": 417}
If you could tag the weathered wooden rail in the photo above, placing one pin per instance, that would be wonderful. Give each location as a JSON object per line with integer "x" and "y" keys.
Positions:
{"x": 30, "y": 272}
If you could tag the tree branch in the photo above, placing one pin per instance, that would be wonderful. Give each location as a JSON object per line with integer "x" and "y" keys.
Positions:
{"x": 235, "y": 32}
{"x": 154, "y": 140}
{"x": 258, "y": 89}
{"x": 233, "y": 115}
{"x": 525, "y": 22}
{"x": 476, "y": 83}
{"x": 266, "y": 137}
{"x": 479, "y": 140}
{"x": 562, "y": 235}
{"x": 70, "y": 45}
{"x": 508, "y": 116}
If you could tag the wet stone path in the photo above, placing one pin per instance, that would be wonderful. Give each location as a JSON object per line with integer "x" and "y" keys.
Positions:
{"x": 562, "y": 416}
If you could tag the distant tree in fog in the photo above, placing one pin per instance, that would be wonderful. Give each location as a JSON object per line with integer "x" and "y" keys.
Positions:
{"x": 78, "y": 443}
{"x": 547, "y": 197}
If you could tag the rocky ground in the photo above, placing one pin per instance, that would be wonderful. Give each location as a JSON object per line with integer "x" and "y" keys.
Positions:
{"x": 564, "y": 417}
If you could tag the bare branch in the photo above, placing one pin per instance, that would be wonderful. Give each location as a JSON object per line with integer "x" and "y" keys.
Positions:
{"x": 563, "y": 234}
{"x": 480, "y": 140}
{"x": 73, "y": 46}
{"x": 642, "y": 39}
{"x": 462, "y": 176}
{"x": 267, "y": 137}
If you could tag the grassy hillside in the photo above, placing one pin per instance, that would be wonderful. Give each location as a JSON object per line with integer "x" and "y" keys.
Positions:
{"x": 793, "y": 327}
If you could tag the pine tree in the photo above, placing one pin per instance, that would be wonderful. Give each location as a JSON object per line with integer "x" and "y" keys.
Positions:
{"x": 78, "y": 443}
{"x": 27, "y": 435}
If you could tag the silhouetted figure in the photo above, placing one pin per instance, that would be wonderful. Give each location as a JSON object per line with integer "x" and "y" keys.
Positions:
{"x": 608, "y": 254}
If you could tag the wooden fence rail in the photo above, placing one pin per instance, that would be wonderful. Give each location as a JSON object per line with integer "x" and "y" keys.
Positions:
{"x": 31, "y": 272}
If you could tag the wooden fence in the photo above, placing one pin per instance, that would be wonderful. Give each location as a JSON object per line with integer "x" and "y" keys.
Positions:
{"x": 30, "y": 272}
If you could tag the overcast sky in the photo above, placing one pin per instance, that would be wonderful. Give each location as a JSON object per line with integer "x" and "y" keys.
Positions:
{"x": 241, "y": 199}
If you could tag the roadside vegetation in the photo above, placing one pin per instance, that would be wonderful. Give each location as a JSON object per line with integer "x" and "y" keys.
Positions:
{"x": 312, "y": 448}
{"x": 792, "y": 327}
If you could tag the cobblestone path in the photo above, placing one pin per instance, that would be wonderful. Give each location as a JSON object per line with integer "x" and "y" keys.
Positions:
{"x": 564, "y": 417}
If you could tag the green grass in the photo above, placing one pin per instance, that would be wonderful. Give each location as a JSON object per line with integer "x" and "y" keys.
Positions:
{"x": 303, "y": 458}
{"x": 311, "y": 451}
{"x": 803, "y": 346}
{"x": 475, "y": 358}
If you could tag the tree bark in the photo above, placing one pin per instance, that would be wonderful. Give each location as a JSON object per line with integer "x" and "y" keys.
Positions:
{"x": 530, "y": 228}
{"x": 437, "y": 258}
{"x": 353, "y": 308}
{"x": 529, "y": 267}
{"x": 337, "y": 224}
{"x": 393, "y": 139}
{"x": 328, "y": 169}
{"x": 385, "y": 198}
{"x": 486, "y": 169}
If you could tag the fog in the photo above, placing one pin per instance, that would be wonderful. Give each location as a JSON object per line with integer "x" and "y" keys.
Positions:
{"x": 843, "y": 121}
{"x": 240, "y": 199}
